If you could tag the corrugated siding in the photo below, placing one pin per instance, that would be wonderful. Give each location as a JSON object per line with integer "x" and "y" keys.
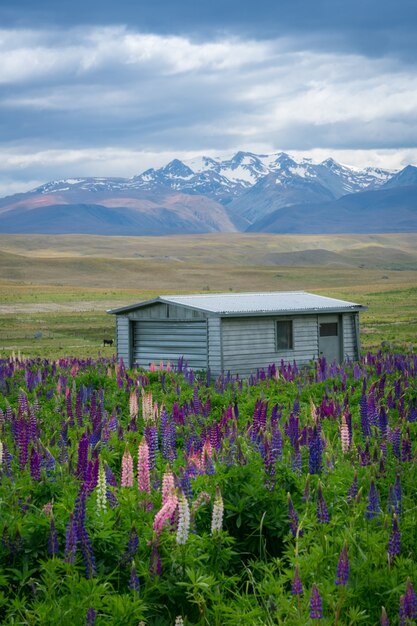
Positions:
{"x": 155, "y": 341}
{"x": 214, "y": 345}
{"x": 350, "y": 349}
{"x": 123, "y": 339}
{"x": 162, "y": 311}
{"x": 250, "y": 343}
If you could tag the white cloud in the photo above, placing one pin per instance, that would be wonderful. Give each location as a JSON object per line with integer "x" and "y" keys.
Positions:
{"x": 111, "y": 101}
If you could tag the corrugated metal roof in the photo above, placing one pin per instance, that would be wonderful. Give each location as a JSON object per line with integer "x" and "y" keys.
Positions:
{"x": 255, "y": 303}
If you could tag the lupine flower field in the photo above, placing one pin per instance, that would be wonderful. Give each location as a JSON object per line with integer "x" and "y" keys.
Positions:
{"x": 167, "y": 497}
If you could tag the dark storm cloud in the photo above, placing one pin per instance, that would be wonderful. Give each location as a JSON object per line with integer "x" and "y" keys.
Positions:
{"x": 370, "y": 27}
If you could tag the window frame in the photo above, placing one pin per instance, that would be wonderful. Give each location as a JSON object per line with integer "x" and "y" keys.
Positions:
{"x": 286, "y": 320}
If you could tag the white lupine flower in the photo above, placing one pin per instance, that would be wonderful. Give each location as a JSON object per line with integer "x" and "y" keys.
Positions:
{"x": 217, "y": 516}
{"x": 179, "y": 621}
{"x": 101, "y": 490}
{"x": 183, "y": 519}
{"x": 1, "y": 453}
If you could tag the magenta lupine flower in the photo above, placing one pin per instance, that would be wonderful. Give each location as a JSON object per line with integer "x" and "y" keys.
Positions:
{"x": 373, "y": 509}
{"x": 127, "y": 469}
{"x": 342, "y": 571}
{"x": 316, "y": 609}
{"x": 165, "y": 513}
{"x": 144, "y": 481}
{"x": 297, "y": 586}
{"x": 384, "y": 621}
{"x": 394, "y": 543}
{"x": 322, "y": 510}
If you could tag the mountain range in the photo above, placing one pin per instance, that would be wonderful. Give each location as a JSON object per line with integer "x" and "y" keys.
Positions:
{"x": 249, "y": 192}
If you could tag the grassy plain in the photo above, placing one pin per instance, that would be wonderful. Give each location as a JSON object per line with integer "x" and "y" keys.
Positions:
{"x": 54, "y": 290}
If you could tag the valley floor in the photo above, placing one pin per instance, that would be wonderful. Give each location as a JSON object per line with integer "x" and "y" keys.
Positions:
{"x": 55, "y": 290}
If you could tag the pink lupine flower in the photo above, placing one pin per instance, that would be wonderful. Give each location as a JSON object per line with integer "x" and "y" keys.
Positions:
{"x": 152, "y": 367}
{"x": 144, "y": 481}
{"x": 133, "y": 405}
{"x": 147, "y": 407}
{"x": 165, "y": 514}
{"x": 127, "y": 469}
{"x": 47, "y": 509}
{"x": 344, "y": 435}
{"x": 183, "y": 519}
{"x": 217, "y": 515}
{"x": 167, "y": 484}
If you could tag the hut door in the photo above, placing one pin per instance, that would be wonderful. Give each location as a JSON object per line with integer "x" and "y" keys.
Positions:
{"x": 329, "y": 338}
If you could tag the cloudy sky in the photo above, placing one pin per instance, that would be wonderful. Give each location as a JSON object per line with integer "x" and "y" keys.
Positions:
{"x": 111, "y": 88}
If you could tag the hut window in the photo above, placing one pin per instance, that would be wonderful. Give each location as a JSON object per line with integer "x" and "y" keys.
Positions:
{"x": 284, "y": 335}
{"x": 328, "y": 329}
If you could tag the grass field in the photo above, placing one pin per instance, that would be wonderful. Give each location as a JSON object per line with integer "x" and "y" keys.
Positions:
{"x": 54, "y": 290}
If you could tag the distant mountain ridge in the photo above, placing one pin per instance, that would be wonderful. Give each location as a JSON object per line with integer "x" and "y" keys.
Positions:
{"x": 254, "y": 192}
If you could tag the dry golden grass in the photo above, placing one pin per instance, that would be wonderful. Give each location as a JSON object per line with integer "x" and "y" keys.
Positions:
{"x": 54, "y": 290}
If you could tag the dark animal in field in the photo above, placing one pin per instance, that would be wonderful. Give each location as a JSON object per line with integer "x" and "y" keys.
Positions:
{"x": 108, "y": 342}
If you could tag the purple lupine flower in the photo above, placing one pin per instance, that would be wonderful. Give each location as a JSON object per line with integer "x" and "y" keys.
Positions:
{"x": 134, "y": 579}
{"x": 353, "y": 489}
{"x": 384, "y": 621}
{"x": 315, "y": 462}
{"x": 23, "y": 441}
{"x": 394, "y": 543}
{"x": 383, "y": 423}
{"x": 82, "y": 456}
{"x": 316, "y": 609}
{"x": 297, "y": 586}
{"x": 155, "y": 565}
{"x": 373, "y": 509}
{"x": 363, "y": 407}
{"x": 402, "y": 613}
{"x": 87, "y": 552}
{"x": 151, "y": 436}
{"x": 132, "y": 546}
{"x": 293, "y": 518}
{"x": 342, "y": 571}
{"x": 396, "y": 442}
{"x": 71, "y": 540}
{"x": 322, "y": 510}
{"x": 306, "y": 494}
{"x": 35, "y": 465}
{"x": 53, "y": 546}
{"x": 410, "y": 601}
{"x": 91, "y": 617}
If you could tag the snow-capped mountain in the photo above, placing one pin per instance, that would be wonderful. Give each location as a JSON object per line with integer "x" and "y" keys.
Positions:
{"x": 208, "y": 194}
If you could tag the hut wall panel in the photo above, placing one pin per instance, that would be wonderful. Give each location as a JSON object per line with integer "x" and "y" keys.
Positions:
{"x": 161, "y": 311}
{"x": 123, "y": 339}
{"x": 249, "y": 343}
{"x": 350, "y": 349}
{"x": 167, "y": 340}
{"x": 214, "y": 345}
